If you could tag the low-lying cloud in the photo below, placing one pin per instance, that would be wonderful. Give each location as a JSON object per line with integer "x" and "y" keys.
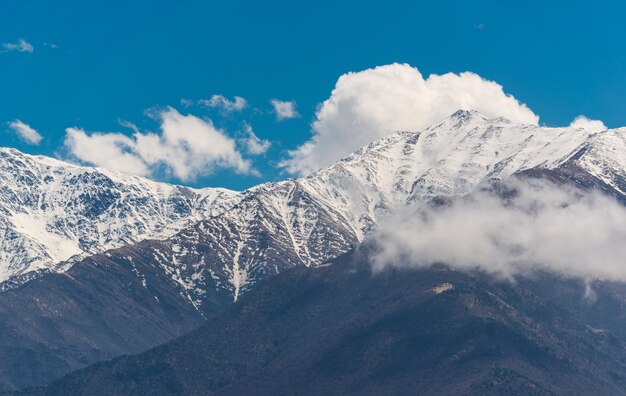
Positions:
{"x": 542, "y": 227}
{"x": 585, "y": 123}
{"x": 186, "y": 147}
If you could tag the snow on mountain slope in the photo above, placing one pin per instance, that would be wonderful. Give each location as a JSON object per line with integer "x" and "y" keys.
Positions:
{"x": 242, "y": 238}
{"x": 448, "y": 159}
{"x": 219, "y": 244}
{"x": 52, "y": 211}
{"x": 310, "y": 220}
{"x": 605, "y": 157}
{"x": 275, "y": 226}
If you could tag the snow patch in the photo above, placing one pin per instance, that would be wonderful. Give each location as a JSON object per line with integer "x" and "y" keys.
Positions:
{"x": 60, "y": 248}
{"x": 442, "y": 288}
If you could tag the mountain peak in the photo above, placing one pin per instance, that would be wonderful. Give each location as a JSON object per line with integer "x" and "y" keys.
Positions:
{"x": 10, "y": 150}
{"x": 461, "y": 113}
{"x": 470, "y": 115}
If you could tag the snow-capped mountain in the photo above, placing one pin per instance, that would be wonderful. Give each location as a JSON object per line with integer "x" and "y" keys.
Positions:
{"x": 604, "y": 156}
{"x": 307, "y": 221}
{"x": 221, "y": 244}
{"x": 53, "y": 211}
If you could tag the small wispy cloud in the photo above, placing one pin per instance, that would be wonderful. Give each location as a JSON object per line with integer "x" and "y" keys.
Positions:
{"x": 284, "y": 109}
{"x": 253, "y": 144}
{"x": 25, "y": 132}
{"x": 186, "y": 102}
{"x": 590, "y": 125}
{"x": 223, "y": 103}
{"x": 21, "y": 46}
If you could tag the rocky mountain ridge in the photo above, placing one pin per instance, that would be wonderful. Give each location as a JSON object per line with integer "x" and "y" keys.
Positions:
{"x": 54, "y": 212}
{"x": 308, "y": 221}
{"x": 230, "y": 240}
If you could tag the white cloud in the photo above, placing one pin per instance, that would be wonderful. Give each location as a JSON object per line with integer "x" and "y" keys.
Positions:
{"x": 186, "y": 102}
{"x": 108, "y": 150}
{"x": 254, "y": 145}
{"x": 25, "y": 132}
{"x": 284, "y": 109}
{"x": 543, "y": 227}
{"x": 221, "y": 102}
{"x": 186, "y": 146}
{"x": 590, "y": 125}
{"x": 370, "y": 104}
{"x": 21, "y": 46}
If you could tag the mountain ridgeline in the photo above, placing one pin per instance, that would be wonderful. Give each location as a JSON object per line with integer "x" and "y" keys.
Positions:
{"x": 177, "y": 257}
{"x": 53, "y": 213}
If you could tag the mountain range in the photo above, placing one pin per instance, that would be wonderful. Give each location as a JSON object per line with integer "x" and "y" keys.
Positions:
{"x": 54, "y": 212}
{"x": 339, "y": 329}
{"x": 109, "y": 263}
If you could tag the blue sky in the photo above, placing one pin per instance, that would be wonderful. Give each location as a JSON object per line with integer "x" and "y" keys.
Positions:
{"x": 95, "y": 63}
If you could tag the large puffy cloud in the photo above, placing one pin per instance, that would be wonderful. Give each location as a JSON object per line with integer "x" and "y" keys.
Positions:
{"x": 541, "y": 227}
{"x": 186, "y": 147}
{"x": 370, "y": 104}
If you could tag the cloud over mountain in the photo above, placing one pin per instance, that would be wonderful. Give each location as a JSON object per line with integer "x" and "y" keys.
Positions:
{"x": 540, "y": 227}
{"x": 585, "y": 123}
{"x": 367, "y": 105}
{"x": 185, "y": 147}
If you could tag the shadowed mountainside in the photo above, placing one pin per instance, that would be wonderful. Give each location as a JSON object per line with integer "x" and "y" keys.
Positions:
{"x": 340, "y": 329}
{"x": 97, "y": 310}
